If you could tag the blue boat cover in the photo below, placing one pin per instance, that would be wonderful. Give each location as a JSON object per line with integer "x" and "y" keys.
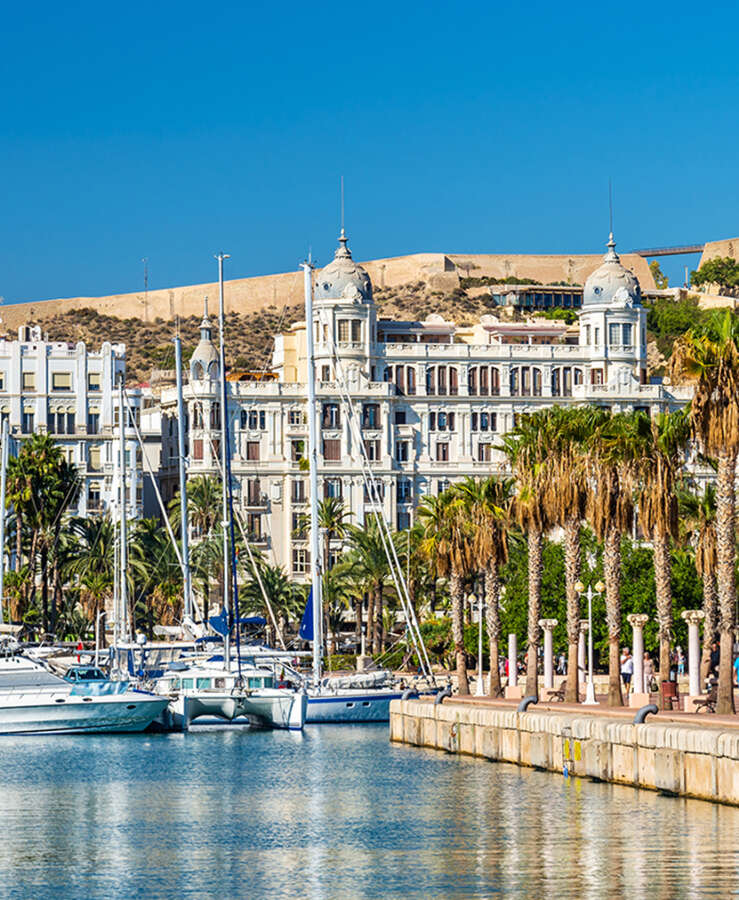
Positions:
{"x": 219, "y": 623}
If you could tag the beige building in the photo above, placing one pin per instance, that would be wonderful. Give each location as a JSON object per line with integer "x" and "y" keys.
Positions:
{"x": 424, "y": 403}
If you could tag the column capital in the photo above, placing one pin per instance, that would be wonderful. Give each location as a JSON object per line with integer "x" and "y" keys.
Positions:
{"x": 637, "y": 620}
{"x": 548, "y": 624}
{"x": 584, "y": 626}
{"x": 693, "y": 616}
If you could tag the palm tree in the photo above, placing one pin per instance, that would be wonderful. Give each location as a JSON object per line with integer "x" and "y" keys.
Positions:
{"x": 488, "y": 505}
{"x": 285, "y": 597}
{"x": 156, "y": 574}
{"x": 565, "y": 497}
{"x": 89, "y": 560}
{"x": 664, "y": 439}
{"x": 528, "y": 452}
{"x": 698, "y": 515}
{"x": 613, "y": 449}
{"x": 448, "y": 543}
{"x": 709, "y": 356}
{"x": 370, "y": 566}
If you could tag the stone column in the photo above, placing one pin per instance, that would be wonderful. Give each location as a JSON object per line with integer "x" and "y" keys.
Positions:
{"x": 637, "y": 622}
{"x": 581, "y": 650}
{"x": 512, "y": 660}
{"x": 694, "y": 617}
{"x": 548, "y": 625}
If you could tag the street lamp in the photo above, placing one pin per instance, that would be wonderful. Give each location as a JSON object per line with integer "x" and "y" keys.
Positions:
{"x": 480, "y": 687}
{"x": 590, "y": 690}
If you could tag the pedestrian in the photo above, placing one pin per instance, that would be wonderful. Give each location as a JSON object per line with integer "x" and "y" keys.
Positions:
{"x": 627, "y": 669}
{"x": 715, "y": 658}
{"x": 680, "y": 661}
{"x": 736, "y": 672}
{"x": 648, "y": 672}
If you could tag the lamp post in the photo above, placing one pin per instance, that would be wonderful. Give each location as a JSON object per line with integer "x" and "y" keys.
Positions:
{"x": 479, "y": 688}
{"x": 590, "y": 689}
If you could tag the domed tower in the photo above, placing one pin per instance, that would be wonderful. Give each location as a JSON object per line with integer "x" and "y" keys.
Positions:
{"x": 613, "y": 324}
{"x": 204, "y": 361}
{"x": 344, "y": 318}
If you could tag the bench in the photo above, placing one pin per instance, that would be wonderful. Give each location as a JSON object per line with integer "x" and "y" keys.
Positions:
{"x": 557, "y": 693}
{"x": 709, "y": 702}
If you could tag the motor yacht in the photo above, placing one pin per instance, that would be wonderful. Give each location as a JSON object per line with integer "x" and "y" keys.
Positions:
{"x": 33, "y": 700}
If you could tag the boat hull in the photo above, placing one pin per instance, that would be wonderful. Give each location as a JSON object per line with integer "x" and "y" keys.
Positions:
{"x": 267, "y": 708}
{"x": 351, "y": 706}
{"x": 77, "y": 715}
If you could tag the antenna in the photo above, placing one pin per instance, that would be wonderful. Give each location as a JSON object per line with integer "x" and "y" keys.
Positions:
{"x": 145, "y": 261}
{"x": 610, "y": 204}
{"x": 342, "y": 204}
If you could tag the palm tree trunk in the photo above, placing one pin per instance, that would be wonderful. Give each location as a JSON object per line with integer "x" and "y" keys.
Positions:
{"x": 662, "y": 566}
{"x": 371, "y": 621}
{"x": 725, "y": 551}
{"x": 535, "y": 543}
{"x": 358, "y": 604}
{"x": 379, "y": 615}
{"x": 18, "y": 539}
{"x": 45, "y": 587}
{"x": 456, "y": 593}
{"x": 709, "y": 622}
{"x": 492, "y": 621}
{"x": 612, "y": 577}
{"x": 572, "y": 574}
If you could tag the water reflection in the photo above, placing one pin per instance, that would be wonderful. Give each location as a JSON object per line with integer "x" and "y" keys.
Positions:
{"x": 337, "y": 812}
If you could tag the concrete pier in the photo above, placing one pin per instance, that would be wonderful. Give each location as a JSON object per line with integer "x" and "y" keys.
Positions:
{"x": 683, "y": 755}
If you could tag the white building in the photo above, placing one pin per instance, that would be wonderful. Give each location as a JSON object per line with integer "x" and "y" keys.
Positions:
{"x": 431, "y": 398}
{"x": 69, "y": 392}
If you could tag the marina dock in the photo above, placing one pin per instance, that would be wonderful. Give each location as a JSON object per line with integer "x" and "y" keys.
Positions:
{"x": 682, "y": 754}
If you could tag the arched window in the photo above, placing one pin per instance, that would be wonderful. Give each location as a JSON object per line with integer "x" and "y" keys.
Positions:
{"x": 431, "y": 380}
{"x": 411, "y": 379}
{"x": 536, "y": 382}
{"x": 453, "y": 381}
{"x": 494, "y": 381}
{"x": 198, "y": 373}
{"x": 472, "y": 381}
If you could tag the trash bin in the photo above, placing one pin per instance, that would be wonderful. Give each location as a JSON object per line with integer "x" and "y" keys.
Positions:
{"x": 669, "y": 695}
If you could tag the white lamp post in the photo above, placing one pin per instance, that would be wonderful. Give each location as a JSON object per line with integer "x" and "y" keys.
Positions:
{"x": 590, "y": 689}
{"x": 480, "y": 687}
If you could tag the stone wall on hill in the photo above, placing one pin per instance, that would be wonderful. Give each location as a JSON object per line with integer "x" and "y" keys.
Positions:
{"x": 438, "y": 271}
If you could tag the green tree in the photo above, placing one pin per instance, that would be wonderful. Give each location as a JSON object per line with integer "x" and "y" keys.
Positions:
{"x": 661, "y": 281}
{"x": 722, "y": 271}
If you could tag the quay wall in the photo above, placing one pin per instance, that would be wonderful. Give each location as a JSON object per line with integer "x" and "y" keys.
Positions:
{"x": 677, "y": 757}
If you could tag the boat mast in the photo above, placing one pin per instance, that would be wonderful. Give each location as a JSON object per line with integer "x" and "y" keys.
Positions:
{"x": 315, "y": 552}
{"x": 123, "y": 556}
{"x": 3, "y": 480}
{"x": 184, "y": 518}
{"x": 224, "y": 463}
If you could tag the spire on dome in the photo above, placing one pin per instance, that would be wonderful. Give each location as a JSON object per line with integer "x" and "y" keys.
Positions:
{"x": 343, "y": 250}
{"x": 205, "y": 326}
{"x": 611, "y": 254}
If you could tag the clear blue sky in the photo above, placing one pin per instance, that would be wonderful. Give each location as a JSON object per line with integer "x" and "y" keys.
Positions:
{"x": 170, "y": 130}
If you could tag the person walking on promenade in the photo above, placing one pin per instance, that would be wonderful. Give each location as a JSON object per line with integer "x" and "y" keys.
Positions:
{"x": 680, "y": 661}
{"x": 627, "y": 669}
{"x": 648, "y": 672}
{"x": 715, "y": 657}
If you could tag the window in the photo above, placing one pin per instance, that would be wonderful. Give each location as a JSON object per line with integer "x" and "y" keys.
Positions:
{"x": 400, "y": 417}
{"x": 484, "y": 382}
{"x": 301, "y": 560}
{"x": 253, "y": 492}
{"x": 442, "y": 452}
{"x": 93, "y": 498}
{"x": 441, "y": 380}
{"x": 300, "y": 526}
{"x": 254, "y": 526}
{"x": 410, "y": 373}
{"x": 197, "y": 419}
{"x": 93, "y": 423}
{"x": 2, "y": 381}
{"x": 215, "y": 449}
{"x": 29, "y": 381}
{"x": 295, "y": 417}
{"x": 614, "y": 334}
{"x": 596, "y": 376}
{"x": 332, "y": 487}
{"x": 61, "y": 381}
{"x": 430, "y": 380}
{"x": 627, "y": 332}
{"x": 94, "y": 381}
{"x": 253, "y": 419}
{"x": 405, "y": 490}
{"x": 372, "y": 449}
{"x": 343, "y": 331}
{"x": 587, "y": 335}
{"x": 441, "y": 421}
{"x": 215, "y": 415}
{"x": 484, "y": 421}
{"x": 401, "y": 451}
{"x": 197, "y": 449}
{"x": 298, "y": 491}
{"x": 94, "y": 459}
{"x": 330, "y": 417}
{"x": 484, "y": 452}
{"x": 297, "y": 450}
{"x": 403, "y": 519}
{"x": 453, "y": 381}
{"x": 370, "y": 415}
{"x": 332, "y": 450}
{"x": 473, "y": 422}
{"x": 325, "y": 373}
{"x": 252, "y": 450}
{"x": 472, "y": 382}
{"x": 378, "y": 492}
{"x": 597, "y": 336}
{"x": 27, "y": 423}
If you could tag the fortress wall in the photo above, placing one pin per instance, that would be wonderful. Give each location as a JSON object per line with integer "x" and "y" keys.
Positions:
{"x": 249, "y": 295}
{"x": 713, "y": 249}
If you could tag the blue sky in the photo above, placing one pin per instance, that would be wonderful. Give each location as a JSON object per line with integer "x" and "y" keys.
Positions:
{"x": 171, "y": 130}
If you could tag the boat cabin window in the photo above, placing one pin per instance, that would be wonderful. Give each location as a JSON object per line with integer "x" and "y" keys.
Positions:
{"x": 203, "y": 684}
{"x": 187, "y": 682}
{"x": 219, "y": 682}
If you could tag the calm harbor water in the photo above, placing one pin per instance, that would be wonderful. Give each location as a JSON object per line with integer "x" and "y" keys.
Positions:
{"x": 336, "y": 812}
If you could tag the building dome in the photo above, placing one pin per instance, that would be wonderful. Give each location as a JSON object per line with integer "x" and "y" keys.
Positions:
{"x": 611, "y": 283}
{"x": 204, "y": 360}
{"x": 343, "y": 279}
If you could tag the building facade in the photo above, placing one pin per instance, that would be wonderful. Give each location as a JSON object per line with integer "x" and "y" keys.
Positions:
{"x": 62, "y": 389}
{"x": 423, "y": 403}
